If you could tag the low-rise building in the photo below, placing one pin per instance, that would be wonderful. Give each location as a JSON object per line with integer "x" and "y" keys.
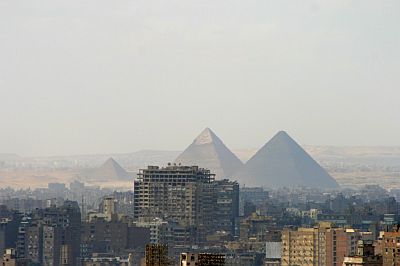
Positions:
{"x": 365, "y": 255}
{"x": 202, "y": 259}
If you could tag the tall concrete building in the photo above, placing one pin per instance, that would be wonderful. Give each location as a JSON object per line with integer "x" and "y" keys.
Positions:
{"x": 226, "y": 204}
{"x": 52, "y": 236}
{"x": 9, "y": 224}
{"x": 321, "y": 245}
{"x": 188, "y": 198}
{"x": 303, "y": 247}
{"x": 51, "y": 246}
{"x": 340, "y": 243}
{"x": 108, "y": 207}
{"x": 172, "y": 193}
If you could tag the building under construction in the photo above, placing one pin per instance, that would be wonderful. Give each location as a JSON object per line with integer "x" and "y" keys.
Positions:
{"x": 189, "y": 199}
{"x": 170, "y": 193}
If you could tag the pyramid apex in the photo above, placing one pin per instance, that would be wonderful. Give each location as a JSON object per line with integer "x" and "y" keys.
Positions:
{"x": 208, "y": 131}
{"x": 110, "y": 169}
{"x": 283, "y": 162}
{"x": 282, "y": 133}
{"x": 110, "y": 160}
{"x": 208, "y": 151}
{"x": 206, "y": 136}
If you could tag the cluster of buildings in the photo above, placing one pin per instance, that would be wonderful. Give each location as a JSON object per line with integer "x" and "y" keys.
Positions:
{"x": 182, "y": 215}
{"x": 326, "y": 244}
{"x": 178, "y": 206}
{"x": 49, "y": 236}
{"x": 27, "y": 200}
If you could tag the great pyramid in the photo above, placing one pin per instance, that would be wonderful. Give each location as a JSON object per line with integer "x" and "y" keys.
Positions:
{"x": 283, "y": 163}
{"x": 208, "y": 151}
{"x": 110, "y": 170}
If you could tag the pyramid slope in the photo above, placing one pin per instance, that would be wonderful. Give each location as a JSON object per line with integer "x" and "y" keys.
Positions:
{"x": 283, "y": 163}
{"x": 208, "y": 151}
{"x": 110, "y": 170}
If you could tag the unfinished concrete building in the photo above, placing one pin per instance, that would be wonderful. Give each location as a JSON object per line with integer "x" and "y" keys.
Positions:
{"x": 188, "y": 198}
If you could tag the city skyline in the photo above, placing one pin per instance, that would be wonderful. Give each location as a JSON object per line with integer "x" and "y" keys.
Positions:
{"x": 201, "y": 132}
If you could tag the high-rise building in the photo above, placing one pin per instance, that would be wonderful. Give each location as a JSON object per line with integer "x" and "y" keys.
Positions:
{"x": 51, "y": 245}
{"x": 52, "y": 236}
{"x": 108, "y": 207}
{"x": 227, "y": 204}
{"x": 71, "y": 234}
{"x": 188, "y": 198}
{"x": 102, "y": 236}
{"x": 340, "y": 243}
{"x": 305, "y": 246}
{"x": 9, "y": 224}
{"x": 170, "y": 192}
{"x": 30, "y": 240}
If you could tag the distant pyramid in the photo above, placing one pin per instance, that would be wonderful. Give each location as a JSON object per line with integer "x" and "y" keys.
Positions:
{"x": 283, "y": 163}
{"x": 208, "y": 151}
{"x": 110, "y": 170}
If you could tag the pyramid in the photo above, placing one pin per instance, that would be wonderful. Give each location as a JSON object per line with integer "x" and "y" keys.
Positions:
{"x": 208, "y": 151}
{"x": 283, "y": 163}
{"x": 110, "y": 170}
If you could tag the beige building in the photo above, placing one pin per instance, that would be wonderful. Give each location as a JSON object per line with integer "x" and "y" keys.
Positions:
{"x": 304, "y": 247}
{"x": 389, "y": 247}
{"x": 321, "y": 245}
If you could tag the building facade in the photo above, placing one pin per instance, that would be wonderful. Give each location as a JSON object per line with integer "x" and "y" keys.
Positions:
{"x": 321, "y": 245}
{"x": 189, "y": 199}
{"x": 202, "y": 259}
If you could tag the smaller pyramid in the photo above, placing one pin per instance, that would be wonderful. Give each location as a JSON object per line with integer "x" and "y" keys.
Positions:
{"x": 110, "y": 170}
{"x": 283, "y": 163}
{"x": 208, "y": 151}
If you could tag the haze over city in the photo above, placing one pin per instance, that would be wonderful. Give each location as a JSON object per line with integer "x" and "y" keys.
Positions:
{"x": 199, "y": 132}
{"x": 84, "y": 77}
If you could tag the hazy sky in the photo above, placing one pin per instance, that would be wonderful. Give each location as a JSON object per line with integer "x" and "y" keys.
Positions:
{"x": 96, "y": 76}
